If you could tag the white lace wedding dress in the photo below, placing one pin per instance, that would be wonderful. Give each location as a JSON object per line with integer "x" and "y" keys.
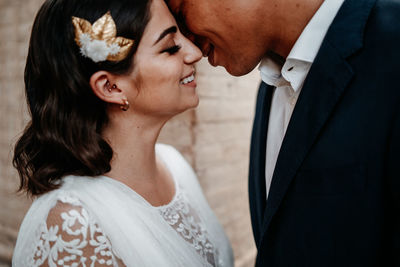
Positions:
{"x": 98, "y": 221}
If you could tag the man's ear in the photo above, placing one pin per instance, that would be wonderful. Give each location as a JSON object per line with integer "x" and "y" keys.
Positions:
{"x": 104, "y": 88}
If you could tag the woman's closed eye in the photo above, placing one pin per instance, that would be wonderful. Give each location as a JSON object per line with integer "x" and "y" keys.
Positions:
{"x": 172, "y": 50}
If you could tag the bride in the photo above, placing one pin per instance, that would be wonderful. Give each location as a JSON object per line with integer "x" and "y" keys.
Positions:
{"x": 102, "y": 78}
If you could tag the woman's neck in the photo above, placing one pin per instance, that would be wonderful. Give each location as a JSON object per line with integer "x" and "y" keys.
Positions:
{"x": 133, "y": 142}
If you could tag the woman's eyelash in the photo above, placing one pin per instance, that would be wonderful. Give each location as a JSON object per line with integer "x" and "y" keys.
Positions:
{"x": 172, "y": 50}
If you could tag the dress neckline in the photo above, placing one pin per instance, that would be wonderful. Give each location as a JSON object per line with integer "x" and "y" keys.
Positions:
{"x": 172, "y": 174}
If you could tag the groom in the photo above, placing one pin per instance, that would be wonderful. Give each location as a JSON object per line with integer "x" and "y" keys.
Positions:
{"x": 324, "y": 180}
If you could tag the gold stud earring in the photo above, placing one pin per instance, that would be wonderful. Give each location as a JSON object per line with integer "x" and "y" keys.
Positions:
{"x": 125, "y": 106}
{"x": 108, "y": 87}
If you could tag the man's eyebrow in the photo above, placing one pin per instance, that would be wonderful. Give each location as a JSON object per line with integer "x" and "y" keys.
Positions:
{"x": 172, "y": 29}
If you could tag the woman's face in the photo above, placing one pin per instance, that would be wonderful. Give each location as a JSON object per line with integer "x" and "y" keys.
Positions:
{"x": 162, "y": 79}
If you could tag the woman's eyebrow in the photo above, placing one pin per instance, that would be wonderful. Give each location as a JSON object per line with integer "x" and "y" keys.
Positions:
{"x": 172, "y": 29}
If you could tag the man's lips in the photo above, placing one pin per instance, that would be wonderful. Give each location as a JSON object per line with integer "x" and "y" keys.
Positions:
{"x": 211, "y": 57}
{"x": 207, "y": 50}
{"x": 209, "y": 53}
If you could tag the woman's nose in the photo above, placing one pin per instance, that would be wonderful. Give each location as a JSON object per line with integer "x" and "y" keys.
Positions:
{"x": 192, "y": 52}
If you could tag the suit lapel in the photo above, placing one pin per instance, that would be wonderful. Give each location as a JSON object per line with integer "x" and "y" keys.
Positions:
{"x": 327, "y": 80}
{"x": 257, "y": 158}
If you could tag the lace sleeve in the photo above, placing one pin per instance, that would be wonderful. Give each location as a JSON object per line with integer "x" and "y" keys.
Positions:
{"x": 70, "y": 237}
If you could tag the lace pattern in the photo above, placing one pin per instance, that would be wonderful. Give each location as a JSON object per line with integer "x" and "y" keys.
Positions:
{"x": 183, "y": 218}
{"x": 62, "y": 227}
{"x": 70, "y": 237}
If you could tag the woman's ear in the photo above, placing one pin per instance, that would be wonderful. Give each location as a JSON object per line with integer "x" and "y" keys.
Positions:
{"x": 104, "y": 88}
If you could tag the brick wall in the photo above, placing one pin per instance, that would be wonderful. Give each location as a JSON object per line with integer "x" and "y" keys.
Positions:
{"x": 214, "y": 137}
{"x": 15, "y": 23}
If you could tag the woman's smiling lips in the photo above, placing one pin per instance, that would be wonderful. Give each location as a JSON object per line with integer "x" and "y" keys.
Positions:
{"x": 189, "y": 80}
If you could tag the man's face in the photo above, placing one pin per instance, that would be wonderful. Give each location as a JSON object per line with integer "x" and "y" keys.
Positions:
{"x": 225, "y": 30}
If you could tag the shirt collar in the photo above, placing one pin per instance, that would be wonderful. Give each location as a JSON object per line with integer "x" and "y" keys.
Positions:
{"x": 304, "y": 51}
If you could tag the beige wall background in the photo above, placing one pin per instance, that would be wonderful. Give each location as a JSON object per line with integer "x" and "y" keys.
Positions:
{"x": 214, "y": 138}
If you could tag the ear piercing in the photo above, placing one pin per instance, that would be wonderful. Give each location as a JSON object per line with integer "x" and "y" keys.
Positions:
{"x": 125, "y": 106}
{"x": 109, "y": 87}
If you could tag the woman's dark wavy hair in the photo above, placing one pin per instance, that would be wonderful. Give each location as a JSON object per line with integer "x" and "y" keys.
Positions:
{"x": 64, "y": 134}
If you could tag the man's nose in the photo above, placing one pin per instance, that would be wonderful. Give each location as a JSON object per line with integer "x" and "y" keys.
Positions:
{"x": 200, "y": 42}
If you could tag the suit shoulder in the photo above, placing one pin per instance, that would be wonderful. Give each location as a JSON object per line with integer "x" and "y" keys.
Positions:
{"x": 386, "y": 16}
{"x": 382, "y": 33}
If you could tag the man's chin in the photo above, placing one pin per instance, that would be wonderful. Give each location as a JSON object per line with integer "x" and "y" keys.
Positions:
{"x": 232, "y": 68}
{"x": 238, "y": 70}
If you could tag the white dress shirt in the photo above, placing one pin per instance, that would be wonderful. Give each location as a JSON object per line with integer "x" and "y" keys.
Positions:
{"x": 289, "y": 78}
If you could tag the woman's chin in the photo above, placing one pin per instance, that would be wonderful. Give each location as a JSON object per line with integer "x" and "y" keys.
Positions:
{"x": 190, "y": 105}
{"x": 196, "y": 101}
{"x": 191, "y": 101}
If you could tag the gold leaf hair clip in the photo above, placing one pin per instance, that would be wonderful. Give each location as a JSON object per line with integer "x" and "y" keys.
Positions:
{"x": 99, "y": 41}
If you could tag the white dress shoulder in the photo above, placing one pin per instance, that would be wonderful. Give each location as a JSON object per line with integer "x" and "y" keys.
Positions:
{"x": 98, "y": 221}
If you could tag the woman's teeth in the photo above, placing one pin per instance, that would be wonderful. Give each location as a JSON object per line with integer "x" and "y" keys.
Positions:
{"x": 188, "y": 79}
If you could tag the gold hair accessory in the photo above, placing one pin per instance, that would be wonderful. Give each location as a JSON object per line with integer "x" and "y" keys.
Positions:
{"x": 99, "y": 41}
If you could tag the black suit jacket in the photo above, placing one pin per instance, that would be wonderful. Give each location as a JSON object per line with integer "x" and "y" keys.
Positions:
{"x": 334, "y": 198}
